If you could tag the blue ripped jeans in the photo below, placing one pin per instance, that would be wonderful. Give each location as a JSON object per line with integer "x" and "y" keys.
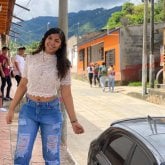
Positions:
{"x": 46, "y": 116}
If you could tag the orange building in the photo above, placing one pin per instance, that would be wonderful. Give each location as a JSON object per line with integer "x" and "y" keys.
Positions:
{"x": 99, "y": 48}
{"x": 121, "y": 47}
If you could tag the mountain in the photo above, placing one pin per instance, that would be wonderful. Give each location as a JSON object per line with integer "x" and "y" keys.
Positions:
{"x": 79, "y": 23}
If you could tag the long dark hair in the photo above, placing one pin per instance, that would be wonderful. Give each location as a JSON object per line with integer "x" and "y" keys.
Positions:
{"x": 63, "y": 64}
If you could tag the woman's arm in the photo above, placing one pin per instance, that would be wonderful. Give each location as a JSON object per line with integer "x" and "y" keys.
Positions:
{"x": 1, "y": 70}
{"x": 21, "y": 90}
{"x": 68, "y": 102}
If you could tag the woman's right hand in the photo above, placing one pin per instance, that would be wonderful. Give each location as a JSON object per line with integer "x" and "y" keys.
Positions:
{"x": 77, "y": 128}
{"x": 9, "y": 116}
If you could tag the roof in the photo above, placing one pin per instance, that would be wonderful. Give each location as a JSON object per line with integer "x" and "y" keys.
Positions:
{"x": 94, "y": 35}
{"x": 150, "y": 130}
{"x": 6, "y": 13}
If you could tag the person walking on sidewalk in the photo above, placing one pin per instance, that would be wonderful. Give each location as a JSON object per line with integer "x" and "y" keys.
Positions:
{"x": 46, "y": 72}
{"x": 5, "y": 73}
{"x": 103, "y": 75}
{"x": 90, "y": 70}
{"x": 96, "y": 74}
{"x": 18, "y": 64}
{"x": 111, "y": 78}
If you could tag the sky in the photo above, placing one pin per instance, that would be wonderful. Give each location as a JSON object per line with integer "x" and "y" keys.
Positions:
{"x": 50, "y": 7}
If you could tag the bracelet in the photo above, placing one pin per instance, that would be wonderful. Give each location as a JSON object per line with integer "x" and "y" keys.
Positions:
{"x": 74, "y": 121}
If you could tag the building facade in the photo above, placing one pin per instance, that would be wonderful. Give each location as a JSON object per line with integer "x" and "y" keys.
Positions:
{"x": 121, "y": 47}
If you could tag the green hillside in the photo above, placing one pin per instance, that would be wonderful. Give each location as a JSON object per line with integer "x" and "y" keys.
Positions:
{"x": 80, "y": 22}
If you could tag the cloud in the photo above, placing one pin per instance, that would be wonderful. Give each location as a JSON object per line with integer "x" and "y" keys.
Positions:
{"x": 50, "y": 8}
{"x": 92, "y": 4}
{"x": 37, "y": 8}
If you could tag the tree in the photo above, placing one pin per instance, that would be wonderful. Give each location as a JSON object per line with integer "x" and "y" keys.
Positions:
{"x": 114, "y": 21}
{"x": 31, "y": 47}
{"x": 128, "y": 8}
{"x": 134, "y": 14}
{"x": 159, "y": 11}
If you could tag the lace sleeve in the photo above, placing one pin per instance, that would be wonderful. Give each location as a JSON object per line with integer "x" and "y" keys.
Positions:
{"x": 24, "y": 74}
{"x": 67, "y": 79}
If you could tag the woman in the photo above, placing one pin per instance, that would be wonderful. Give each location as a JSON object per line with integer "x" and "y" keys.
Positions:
{"x": 111, "y": 78}
{"x": 103, "y": 75}
{"x": 95, "y": 73}
{"x": 90, "y": 73}
{"x": 46, "y": 72}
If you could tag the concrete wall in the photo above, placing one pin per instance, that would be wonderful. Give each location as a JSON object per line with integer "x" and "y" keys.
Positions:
{"x": 131, "y": 46}
{"x": 72, "y": 53}
{"x": 164, "y": 56}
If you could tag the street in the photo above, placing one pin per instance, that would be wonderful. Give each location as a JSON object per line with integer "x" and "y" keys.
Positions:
{"x": 96, "y": 110}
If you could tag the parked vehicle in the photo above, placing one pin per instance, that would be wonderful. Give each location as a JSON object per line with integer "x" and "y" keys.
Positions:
{"x": 138, "y": 141}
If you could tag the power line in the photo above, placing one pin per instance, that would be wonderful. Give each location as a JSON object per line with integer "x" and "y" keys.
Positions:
{"x": 28, "y": 2}
{"x": 21, "y": 11}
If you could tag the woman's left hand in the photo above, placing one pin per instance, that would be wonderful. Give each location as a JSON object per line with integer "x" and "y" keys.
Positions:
{"x": 77, "y": 128}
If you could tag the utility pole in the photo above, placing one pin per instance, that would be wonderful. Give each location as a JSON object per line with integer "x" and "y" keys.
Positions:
{"x": 77, "y": 32}
{"x": 152, "y": 60}
{"x": 63, "y": 24}
{"x": 48, "y": 25}
{"x": 144, "y": 56}
{"x": 164, "y": 56}
{"x": 63, "y": 16}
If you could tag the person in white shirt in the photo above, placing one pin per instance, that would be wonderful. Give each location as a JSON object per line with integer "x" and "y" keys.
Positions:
{"x": 90, "y": 70}
{"x": 46, "y": 74}
{"x": 19, "y": 62}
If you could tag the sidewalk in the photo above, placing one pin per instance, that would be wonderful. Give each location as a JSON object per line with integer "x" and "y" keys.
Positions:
{"x": 8, "y": 136}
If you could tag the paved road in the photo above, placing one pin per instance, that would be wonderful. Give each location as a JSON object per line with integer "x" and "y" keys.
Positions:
{"x": 96, "y": 110}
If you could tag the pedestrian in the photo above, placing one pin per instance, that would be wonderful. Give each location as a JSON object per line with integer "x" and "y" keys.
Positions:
{"x": 18, "y": 64}
{"x": 96, "y": 76}
{"x": 46, "y": 72}
{"x": 103, "y": 75}
{"x": 90, "y": 70}
{"x": 5, "y": 73}
{"x": 111, "y": 78}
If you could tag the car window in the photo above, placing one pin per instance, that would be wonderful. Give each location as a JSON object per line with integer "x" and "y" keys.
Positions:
{"x": 140, "y": 157}
{"x": 118, "y": 149}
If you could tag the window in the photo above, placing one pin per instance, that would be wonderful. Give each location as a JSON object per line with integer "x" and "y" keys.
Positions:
{"x": 118, "y": 149}
{"x": 89, "y": 55}
{"x": 140, "y": 158}
{"x": 101, "y": 53}
{"x": 97, "y": 52}
{"x": 81, "y": 54}
{"x": 110, "y": 57}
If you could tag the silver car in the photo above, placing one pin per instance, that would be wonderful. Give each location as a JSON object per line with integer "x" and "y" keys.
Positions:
{"x": 138, "y": 141}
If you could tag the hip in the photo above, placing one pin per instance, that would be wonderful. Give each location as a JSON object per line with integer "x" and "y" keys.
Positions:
{"x": 44, "y": 112}
{"x": 41, "y": 99}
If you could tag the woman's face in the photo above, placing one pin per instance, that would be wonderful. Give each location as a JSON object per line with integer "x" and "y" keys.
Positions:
{"x": 52, "y": 43}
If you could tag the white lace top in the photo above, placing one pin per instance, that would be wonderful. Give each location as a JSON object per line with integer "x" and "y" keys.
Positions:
{"x": 41, "y": 72}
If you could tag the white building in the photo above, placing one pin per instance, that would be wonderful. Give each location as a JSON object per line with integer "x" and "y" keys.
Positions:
{"x": 73, "y": 53}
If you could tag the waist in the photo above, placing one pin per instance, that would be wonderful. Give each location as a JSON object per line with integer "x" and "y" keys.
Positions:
{"x": 41, "y": 99}
{"x": 47, "y": 105}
